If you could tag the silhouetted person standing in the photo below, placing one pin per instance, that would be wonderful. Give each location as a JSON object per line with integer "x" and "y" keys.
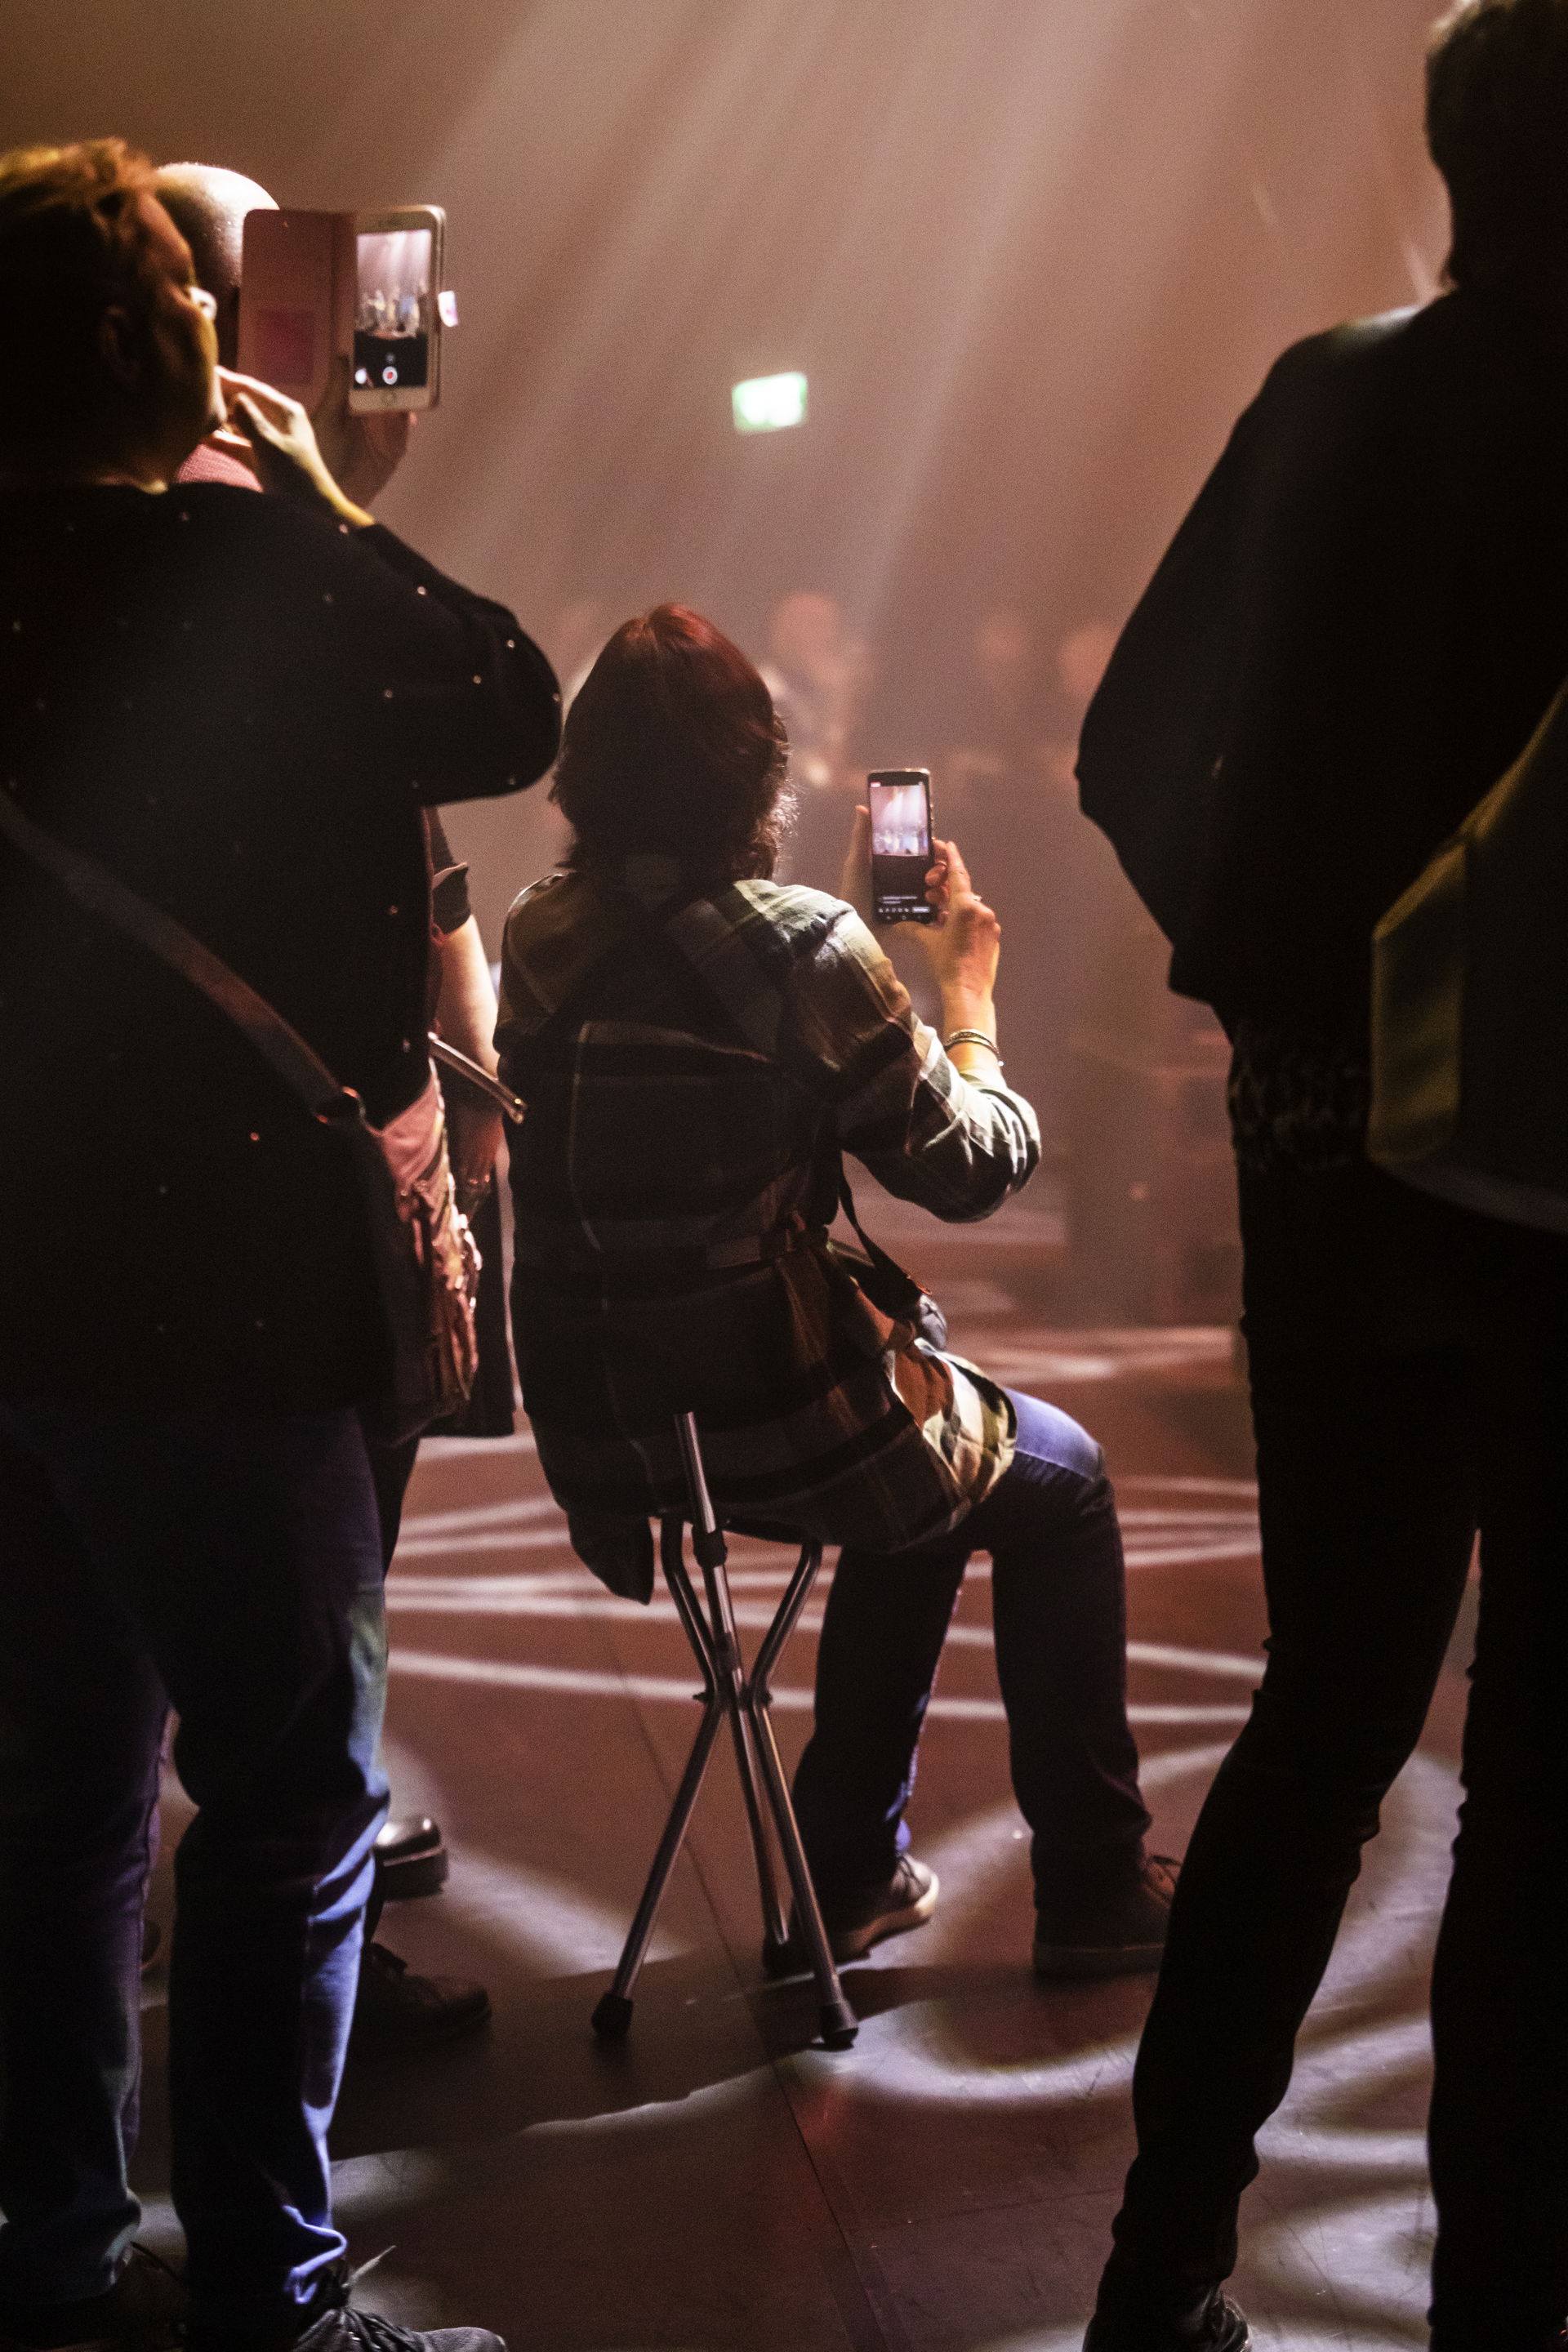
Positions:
{"x": 236, "y": 705}
{"x": 1357, "y": 630}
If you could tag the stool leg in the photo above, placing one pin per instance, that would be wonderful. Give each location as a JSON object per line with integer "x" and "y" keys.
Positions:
{"x": 613, "y": 2016}
{"x": 775, "y": 1922}
{"x": 730, "y": 1668}
{"x": 839, "y": 2023}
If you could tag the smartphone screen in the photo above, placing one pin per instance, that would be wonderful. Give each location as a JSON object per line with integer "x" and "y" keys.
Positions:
{"x": 901, "y": 845}
{"x": 394, "y": 304}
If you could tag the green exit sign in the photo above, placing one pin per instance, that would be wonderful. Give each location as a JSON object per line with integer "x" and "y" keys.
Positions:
{"x": 769, "y": 404}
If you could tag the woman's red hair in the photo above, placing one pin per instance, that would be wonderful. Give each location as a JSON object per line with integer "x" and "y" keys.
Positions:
{"x": 673, "y": 747}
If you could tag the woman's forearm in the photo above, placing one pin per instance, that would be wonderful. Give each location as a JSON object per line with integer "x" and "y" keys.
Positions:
{"x": 965, "y": 1009}
{"x": 466, "y": 1017}
{"x": 465, "y": 1007}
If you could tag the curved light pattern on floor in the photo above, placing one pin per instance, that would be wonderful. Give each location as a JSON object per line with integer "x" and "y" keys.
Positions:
{"x": 1338, "y": 2232}
{"x": 552, "y": 1928}
{"x": 566, "y": 1596}
{"x": 1166, "y": 1535}
{"x": 1364, "y": 2254}
{"x": 1366, "y": 2257}
{"x": 575, "y": 1682}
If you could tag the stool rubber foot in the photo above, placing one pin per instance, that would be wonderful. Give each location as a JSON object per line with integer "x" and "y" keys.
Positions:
{"x": 781, "y": 1959}
{"x": 613, "y": 2018}
{"x": 839, "y": 2025}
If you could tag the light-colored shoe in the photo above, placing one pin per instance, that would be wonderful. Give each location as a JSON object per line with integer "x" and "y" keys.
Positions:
{"x": 872, "y": 1914}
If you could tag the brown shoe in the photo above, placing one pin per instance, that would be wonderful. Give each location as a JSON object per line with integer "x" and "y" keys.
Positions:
{"x": 397, "y": 2013}
{"x": 1121, "y": 1933}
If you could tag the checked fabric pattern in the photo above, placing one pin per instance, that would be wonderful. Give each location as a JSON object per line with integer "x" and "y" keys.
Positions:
{"x": 694, "y": 1069}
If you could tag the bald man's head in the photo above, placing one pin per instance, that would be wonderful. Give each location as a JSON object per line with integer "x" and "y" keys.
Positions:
{"x": 207, "y": 205}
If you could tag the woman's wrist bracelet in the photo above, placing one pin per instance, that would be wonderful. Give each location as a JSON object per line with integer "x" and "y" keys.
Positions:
{"x": 972, "y": 1038}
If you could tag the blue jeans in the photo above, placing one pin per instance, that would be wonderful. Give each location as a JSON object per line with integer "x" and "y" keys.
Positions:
{"x": 1059, "y": 1603}
{"x": 228, "y": 1566}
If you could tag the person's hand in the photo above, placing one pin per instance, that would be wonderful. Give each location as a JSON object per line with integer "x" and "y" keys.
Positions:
{"x": 473, "y": 1140}
{"x": 283, "y": 447}
{"x": 362, "y": 453}
{"x": 965, "y": 943}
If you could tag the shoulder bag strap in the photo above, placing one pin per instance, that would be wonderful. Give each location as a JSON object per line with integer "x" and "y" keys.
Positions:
{"x": 92, "y": 886}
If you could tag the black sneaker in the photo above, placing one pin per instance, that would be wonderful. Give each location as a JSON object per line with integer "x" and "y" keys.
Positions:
{"x": 333, "y": 2325}
{"x": 411, "y": 1859}
{"x": 868, "y": 1915}
{"x": 396, "y": 2012}
{"x": 1212, "y": 2323}
{"x": 347, "y": 2330}
{"x": 1117, "y": 1934}
{"x": 143, "y": 2311}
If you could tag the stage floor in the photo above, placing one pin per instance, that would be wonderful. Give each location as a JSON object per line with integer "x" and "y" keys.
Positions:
{"x": 717, "y": 2184}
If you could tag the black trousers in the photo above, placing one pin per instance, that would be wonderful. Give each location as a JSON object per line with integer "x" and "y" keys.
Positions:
{"x": 1410, "y": 1387}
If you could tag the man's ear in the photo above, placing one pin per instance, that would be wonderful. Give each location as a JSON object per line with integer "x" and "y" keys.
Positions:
{"x": 118, "y": 342}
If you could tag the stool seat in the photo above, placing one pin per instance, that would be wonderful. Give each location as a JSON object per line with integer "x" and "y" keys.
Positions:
{"x": 731, "y": 1694}
{"x": 767, "y": 1531}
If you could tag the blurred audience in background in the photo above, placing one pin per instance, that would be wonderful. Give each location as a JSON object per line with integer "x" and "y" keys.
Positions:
{"x": 816, "y": 671}
{"x": 1003, "y": 775}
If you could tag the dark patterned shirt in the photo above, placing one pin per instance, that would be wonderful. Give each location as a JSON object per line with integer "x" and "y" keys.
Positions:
{"x": 693, "y": 1071}
{"x": 1298, "y": 1099}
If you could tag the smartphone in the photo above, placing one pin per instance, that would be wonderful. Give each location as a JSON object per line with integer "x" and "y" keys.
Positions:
{"x": 296, "y": 298}
{"x": 398, "y": 311}
{"x": 365, "y": 287}
{"x": 901, "y": 845}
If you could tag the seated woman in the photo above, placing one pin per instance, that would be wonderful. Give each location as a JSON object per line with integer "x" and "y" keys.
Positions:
{"x": 698, "y": 1047}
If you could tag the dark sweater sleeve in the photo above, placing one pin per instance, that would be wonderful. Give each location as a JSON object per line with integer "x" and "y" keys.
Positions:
{"x": 1154, "y": 731}
{"x": 468, "y": 696}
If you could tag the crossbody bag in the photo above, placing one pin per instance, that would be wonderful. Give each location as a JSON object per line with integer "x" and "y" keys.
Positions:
{"x": 426, "y": 1265}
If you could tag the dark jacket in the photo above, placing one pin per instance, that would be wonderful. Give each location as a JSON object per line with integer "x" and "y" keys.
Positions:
{"x": 1355, "y": 632}
{"x": 241, "y": 710}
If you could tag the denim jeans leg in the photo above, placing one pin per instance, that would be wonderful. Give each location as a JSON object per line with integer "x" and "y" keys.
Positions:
{"x": 247, "y": 1550}
{"x": 1058, "y": 1594}
{"x": 1050, "y": 1525}
{"x": 886, "y": 1620}
{"x": 81, "y": 1721}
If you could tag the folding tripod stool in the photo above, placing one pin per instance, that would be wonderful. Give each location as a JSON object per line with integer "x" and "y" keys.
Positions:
{"x": 729, "y": 1693}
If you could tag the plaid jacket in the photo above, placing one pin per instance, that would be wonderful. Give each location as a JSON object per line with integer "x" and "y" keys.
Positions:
{"x": 693, "y": 1072}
